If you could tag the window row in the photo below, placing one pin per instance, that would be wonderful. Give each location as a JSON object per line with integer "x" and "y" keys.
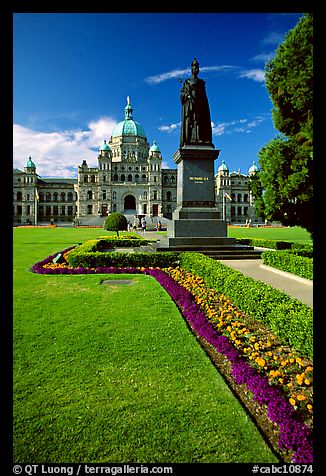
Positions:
{"x": 238, "y": 211}
{"x": 238, "y": 198}
{"x": 115, "y": 178}
{"x": 48, "y": 197}
{"x": 169, "y": 179}
{"x": 46, "y": 210}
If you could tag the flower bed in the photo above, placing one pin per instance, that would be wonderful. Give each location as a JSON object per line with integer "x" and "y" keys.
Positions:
{"x": 275, "y": 377}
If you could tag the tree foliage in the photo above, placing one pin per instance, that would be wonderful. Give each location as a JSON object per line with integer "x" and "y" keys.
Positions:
{"x": 115, "y": 222}
{"x": 284, "y": 186}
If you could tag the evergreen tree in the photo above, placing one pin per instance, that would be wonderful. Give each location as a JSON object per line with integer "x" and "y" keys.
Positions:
{"x": 284, "y": 186}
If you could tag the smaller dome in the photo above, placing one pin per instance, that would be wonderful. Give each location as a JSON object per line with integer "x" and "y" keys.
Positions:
{"x": 253, "y": 168}
{"x": 104, "y": 146}
{"x": 154, "y": 147}
{"x": 30, "y": 164}
{"x": 223, "y": 167}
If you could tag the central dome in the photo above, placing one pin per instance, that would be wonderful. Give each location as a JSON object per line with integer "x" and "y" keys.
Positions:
{"x": 128, "y": 127}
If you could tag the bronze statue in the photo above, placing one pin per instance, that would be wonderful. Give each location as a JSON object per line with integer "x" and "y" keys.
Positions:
{"x": 196, "y": 128}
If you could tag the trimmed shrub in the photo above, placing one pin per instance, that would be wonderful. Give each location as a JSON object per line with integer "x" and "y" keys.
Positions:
{"x": 261, "y": 242}
{"x": 290, "y": 319}
{"x": 115, "y": 222}
{"x": 302, "y": 250}
{"x": 93, "y": 259}
{"x": 290, "y": 262}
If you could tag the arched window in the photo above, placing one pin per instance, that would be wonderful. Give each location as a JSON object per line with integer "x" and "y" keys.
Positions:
{"x": 69, "y": 196}
{"x": 145, "y": 195}
{"x": 245, "y": 197}
{"x": 169, "y": 196}
{"x": 89, "y": 195}
{"x": 48, "y": 197}
{"x": 144, "y": 178}
{"x": 114, "y": 195}
{"x": 115, "y": 178}
{"x": 233, "y": 197}
{"x": 239, "y": 197}
{"x": 129, "y": 178}
{"x": 55, "y": 196}
{"x": 123, "y": 178}
{"x": 19, "y": 196}
{"x": 93, "y": 178}
{"x": 62, "y": 197}
{"x": 41, "y": 195}
{"x": 85, "y": 178}
{"x": 172, "y": 179}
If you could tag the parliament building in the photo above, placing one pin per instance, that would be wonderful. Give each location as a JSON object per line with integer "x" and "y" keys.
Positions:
{"x": 129, "y": 178}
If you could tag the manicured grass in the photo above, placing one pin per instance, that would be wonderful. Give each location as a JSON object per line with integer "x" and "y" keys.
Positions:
{"x": 112, "y": 373}
{"x": 294, "y": 234}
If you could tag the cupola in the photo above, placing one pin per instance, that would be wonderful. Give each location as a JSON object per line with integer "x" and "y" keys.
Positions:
{"x": 253, "y": 169}
{"x": 223, "y": 168}
{"x": 128, "y": 127}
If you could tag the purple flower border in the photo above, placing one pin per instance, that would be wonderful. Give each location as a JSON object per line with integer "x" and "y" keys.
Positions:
{"x": 293, "y": 435}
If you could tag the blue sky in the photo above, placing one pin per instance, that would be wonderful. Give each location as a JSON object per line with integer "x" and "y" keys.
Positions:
{"x": 73, "y": 73}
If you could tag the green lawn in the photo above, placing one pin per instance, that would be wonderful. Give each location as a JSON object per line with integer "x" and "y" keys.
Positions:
{"x": 294, "y": 234}
{"x": 111, "y": 373}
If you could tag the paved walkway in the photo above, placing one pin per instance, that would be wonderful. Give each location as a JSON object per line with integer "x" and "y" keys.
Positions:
{"x": 252, "y": 268}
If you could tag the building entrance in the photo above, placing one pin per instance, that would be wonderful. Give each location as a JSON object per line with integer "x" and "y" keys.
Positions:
{"x": 129, "y": 203}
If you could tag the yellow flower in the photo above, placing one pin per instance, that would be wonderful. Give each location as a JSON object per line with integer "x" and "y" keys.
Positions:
{"x": 261, "y": 362}
{"x": 292, "y": 401}
{"x": 301, "y": 397}
{"x": 309, "y": 407}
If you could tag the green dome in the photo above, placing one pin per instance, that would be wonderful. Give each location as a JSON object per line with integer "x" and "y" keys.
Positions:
{"x": 128, "y": 127}
{"x": 30, "y": 164}
{"x": 253, "y": 168}
{"x": 104, "y": 146}
{"x": 223, "y": 167}
{"x": 154, "y": 147}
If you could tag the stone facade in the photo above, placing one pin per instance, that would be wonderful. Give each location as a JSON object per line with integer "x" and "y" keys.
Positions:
{"x": 128, "y": 178}
{"x": 233, "y": 196}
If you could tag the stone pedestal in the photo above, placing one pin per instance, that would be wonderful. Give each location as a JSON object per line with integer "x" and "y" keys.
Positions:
{"x": 196, "y": 221}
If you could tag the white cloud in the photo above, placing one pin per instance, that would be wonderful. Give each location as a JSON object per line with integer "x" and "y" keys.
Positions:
{"x": 273, "y": 38}
{"x": 237, "y": 126}
{"x": 263, "y": 57}
{"x": 170, "y": 128}
{"x": 178, "y": 73}
{"x": 255, "y": 74}
{"x": 218, "y": 129}
{"x": 58, "y": 154}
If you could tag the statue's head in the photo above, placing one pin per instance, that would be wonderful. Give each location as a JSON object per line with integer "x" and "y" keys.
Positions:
{"x": 195, "y": 67}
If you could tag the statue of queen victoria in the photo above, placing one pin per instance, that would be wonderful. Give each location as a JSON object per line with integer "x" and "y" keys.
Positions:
{"x": 196, "y": 128}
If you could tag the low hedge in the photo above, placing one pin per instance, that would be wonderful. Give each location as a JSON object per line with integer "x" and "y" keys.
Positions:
{"x": 261, "y": 242}
{"x": 122, "y": 242}
{"x": 287, "y": 317}
{"x": 288, "y": 261}
{"x": 297, "y": 248}
{"x": 93, "y": 259}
